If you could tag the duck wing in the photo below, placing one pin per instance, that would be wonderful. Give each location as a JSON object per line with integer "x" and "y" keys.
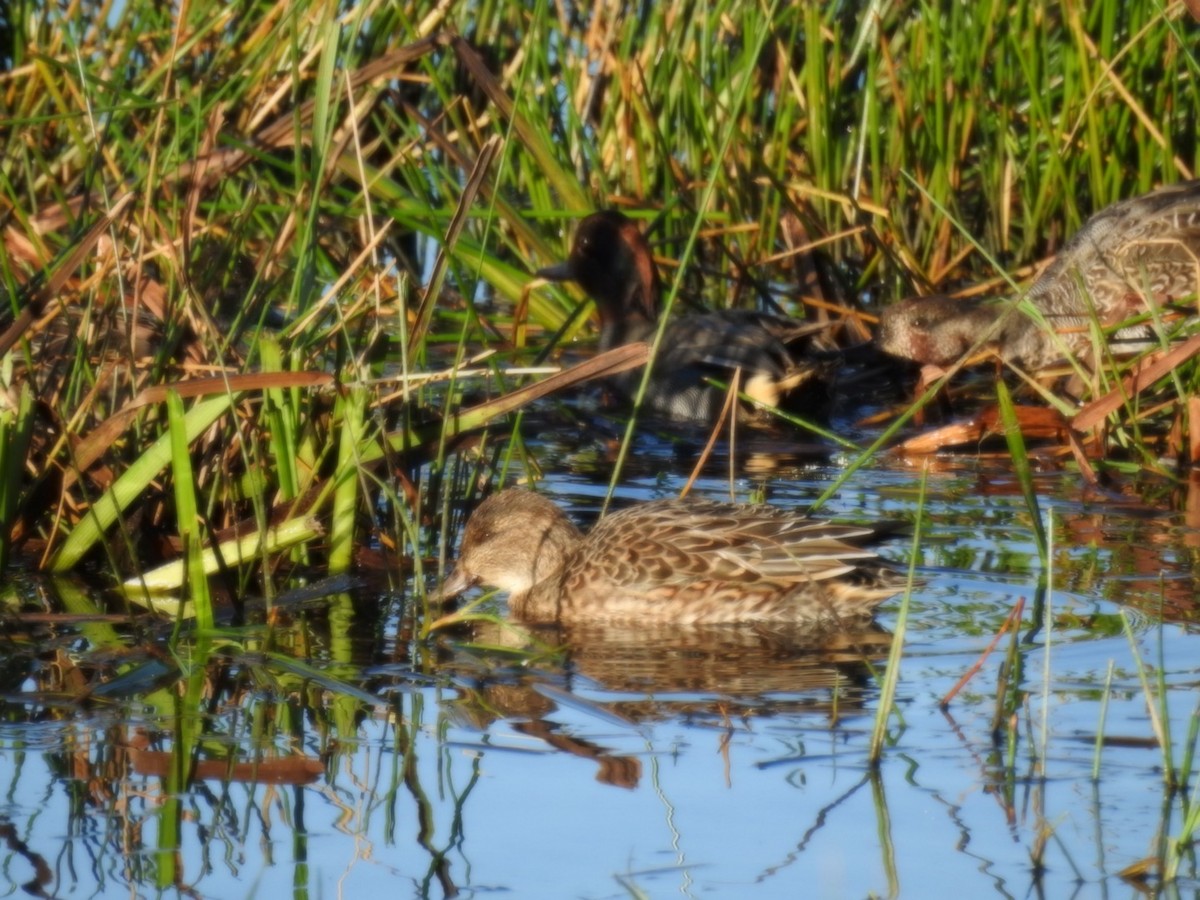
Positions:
{"x": 764, "y": 348}
{"x": 722, "y": 344}
{"x": 685, "y": 541}
{"x": 1147, "y": 245}
{"x": 683, "y": 562}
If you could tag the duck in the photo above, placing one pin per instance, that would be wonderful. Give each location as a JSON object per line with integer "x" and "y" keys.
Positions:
{"x": 672, "y": 562}
{"x": 612, "y": 261}
{"x": 1127, "y": 260}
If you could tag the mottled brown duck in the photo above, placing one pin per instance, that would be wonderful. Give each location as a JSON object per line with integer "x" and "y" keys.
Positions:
{"x": 1128, "y": 260}
{"x": 677, "y": 562}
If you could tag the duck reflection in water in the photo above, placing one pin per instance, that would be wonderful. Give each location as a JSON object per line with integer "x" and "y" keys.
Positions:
{"x": 709, "y": 677}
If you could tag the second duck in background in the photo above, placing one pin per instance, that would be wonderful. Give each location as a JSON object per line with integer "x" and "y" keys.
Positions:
{"x": 611, "y": 260}
{"x": 1126, "y": 261}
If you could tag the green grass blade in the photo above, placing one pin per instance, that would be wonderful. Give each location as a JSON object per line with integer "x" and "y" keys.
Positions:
{"x": 891, "y": 678}
{"x": 132, "y": 483}
{"x": 350, "y": 412}
{"x": 187, "y": 513}
{"x": 1022, "y": 469}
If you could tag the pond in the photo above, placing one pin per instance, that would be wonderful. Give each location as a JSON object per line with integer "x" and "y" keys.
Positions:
{"x": 344, "y": 762}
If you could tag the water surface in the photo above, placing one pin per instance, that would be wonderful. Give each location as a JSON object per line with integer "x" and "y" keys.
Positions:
{"x": 656, "y": 764}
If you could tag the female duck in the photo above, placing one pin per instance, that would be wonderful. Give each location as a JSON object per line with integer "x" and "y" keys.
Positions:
{"x": 673, "y": 562}
{"x": 611, "y": 260}
{"x": 1126, "y": 261}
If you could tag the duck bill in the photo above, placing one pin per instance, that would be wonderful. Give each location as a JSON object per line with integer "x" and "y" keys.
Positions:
{"x": 560, "y": 272}
{"x": 459, "y": 581}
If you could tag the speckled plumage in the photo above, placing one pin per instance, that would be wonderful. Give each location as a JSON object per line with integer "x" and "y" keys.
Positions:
{"x": 1143, "y": 249}
{"x": 612, "y": 262}
{"x": 671, "y": 561}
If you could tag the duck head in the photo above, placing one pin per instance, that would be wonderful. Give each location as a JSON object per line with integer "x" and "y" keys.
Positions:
{"x": 515, "y": 540}
{"x": 611, "y": 260}
{"x": 935, "y": 330}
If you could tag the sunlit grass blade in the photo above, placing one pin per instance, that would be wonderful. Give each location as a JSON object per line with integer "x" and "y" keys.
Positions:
{"x": 282, "y": 425}
{"x": 1102, "y": 718}
{"x": 536, "y": 140}
{"x": 187, "y": 516}
{"x": 96, "y": 442}
{"x": 132, "y": 484}
{"x": 168, "y": 577}
{"x": 1022, "y": 469}
{"x": 1182, "y": 847}
{"x": 1159, "y": 722}
{"x": 350, "y": 413}
{"x": 891, "y": 679}
{"x": 424, "y": 312}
